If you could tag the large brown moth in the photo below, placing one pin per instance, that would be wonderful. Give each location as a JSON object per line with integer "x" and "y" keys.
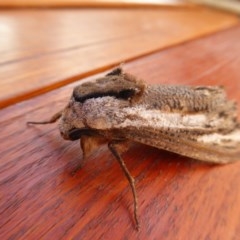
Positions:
{"x": 197, "y": 122}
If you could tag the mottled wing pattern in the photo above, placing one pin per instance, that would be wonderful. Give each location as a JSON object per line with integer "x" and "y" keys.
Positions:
{"x": 198, "y": 122}
{"x": 213, "y": 147}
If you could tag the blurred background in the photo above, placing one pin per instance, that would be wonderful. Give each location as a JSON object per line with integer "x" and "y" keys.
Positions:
{"x": 41, "y": 38}
{"x": 230, "y": 5}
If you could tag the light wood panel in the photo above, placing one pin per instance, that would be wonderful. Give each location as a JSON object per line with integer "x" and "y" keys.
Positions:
{"x": 225, "y": 5}
{"x": 42, "y": 50}
{"x": 179, "y": 198}
{"x": 93, "y": 3}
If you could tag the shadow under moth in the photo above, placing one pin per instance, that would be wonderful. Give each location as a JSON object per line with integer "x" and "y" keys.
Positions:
{"x": 197, "y": 122}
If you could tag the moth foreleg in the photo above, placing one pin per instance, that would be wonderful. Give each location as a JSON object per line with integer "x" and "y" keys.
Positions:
{"x": 113, "y": 148}
{"x": 53, "y": 119}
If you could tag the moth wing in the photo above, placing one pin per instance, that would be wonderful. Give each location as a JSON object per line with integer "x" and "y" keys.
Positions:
{"x": 211, "y": 135}
{"x": 211, "y": 147}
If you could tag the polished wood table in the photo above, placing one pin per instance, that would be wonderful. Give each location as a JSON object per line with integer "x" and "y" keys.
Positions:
{"x": 44, "y": 54}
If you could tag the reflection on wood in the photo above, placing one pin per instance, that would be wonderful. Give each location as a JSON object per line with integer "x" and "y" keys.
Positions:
{"x": 42, "y": 50}
{"x": 95, "y": 3}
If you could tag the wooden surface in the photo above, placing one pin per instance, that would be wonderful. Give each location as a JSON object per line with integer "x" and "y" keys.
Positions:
{"x": 179, "y": 198}
{"x": 42, "y": 50}
{"x": 225, "y": 5}
{"x": 93, "y": 3}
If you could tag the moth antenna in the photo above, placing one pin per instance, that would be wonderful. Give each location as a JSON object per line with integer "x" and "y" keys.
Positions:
{"x": 53, "y": 119}
{"x": 113, "y": 149}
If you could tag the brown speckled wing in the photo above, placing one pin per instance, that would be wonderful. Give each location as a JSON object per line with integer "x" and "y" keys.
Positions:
{"x": 212, "y": 147}
{"x": 213, "y": 139}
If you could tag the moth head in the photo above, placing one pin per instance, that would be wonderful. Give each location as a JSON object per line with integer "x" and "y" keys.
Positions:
{"x": 72, "y": 128}
{"x": 71, "y": 121}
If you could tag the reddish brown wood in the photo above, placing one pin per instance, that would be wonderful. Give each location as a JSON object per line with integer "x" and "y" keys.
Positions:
{"x": 42, "y": 50}
{"x": 179, "y": 198}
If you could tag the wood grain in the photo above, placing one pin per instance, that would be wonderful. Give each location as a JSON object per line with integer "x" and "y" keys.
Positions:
{"x": 42, "y": 50}
{"x": 179, "y": 198}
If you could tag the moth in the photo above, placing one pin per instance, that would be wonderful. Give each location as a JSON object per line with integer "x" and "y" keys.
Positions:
{"x": 197, "y": 122}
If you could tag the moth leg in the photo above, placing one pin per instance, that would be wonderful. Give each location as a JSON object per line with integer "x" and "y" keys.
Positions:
{"x": 53, "y": 119}
{"x": 88, "y": 144}
{"x": 113, "y": 148}
{"x": 79, "y": 166}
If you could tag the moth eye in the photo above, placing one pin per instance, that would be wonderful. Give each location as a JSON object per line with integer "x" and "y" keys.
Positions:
{"x": 74, "y": 134}
{"x": 77, "y": 133}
